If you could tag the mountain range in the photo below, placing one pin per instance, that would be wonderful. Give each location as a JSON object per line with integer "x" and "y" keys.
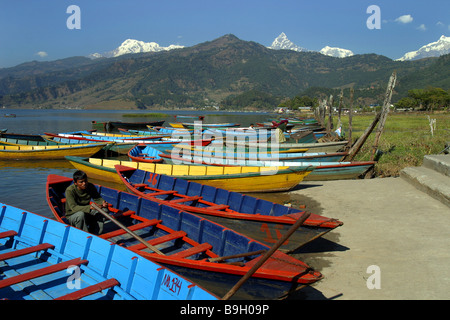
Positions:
{"x": 208, "y": 73}
{"x": 283, "y": 43}
{"x": 130, "y": 46}
{"x": 134, "y": 46}
{"x": 433, "y": 49}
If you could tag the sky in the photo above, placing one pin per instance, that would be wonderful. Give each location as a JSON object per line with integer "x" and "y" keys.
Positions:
{"x": 45, "y": 30}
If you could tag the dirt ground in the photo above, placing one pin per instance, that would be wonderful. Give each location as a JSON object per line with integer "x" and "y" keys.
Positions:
{"x": 395, "y": 239}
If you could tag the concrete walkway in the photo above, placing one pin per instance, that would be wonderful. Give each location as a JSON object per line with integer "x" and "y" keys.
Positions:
{"x": 387, "y": 223}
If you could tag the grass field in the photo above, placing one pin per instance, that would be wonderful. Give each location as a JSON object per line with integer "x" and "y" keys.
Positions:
{"x": 405, "y": 140}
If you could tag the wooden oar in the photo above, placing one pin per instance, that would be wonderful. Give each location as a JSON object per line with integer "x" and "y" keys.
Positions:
{"x": 264, "y": 258}
{"x": 120, "y": 225}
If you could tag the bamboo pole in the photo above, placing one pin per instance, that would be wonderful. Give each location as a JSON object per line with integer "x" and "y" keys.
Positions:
{"x": 120, "y": 225}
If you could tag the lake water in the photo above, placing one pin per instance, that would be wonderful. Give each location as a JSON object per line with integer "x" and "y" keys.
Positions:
{"x": 22, "y": 183}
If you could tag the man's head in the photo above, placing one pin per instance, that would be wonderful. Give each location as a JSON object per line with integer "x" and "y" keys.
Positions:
{"x": 80, "y": 179}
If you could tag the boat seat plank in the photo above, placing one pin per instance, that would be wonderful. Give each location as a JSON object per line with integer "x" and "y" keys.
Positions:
{"x": 186, "y": 199}
{"x": 191, "y": 251}
{"x": 168, "y": 237}
{"x": 134, "y": 227}
{"x": 160, "y": 193}
{"x": 159, "y": 240}
{"x": 22, "y": 252}
{"x": 77, "y": 295}
{"x": 40, "y": 272}
{"x": 7, "y": 234}
{"x": 218, "y": 207}
{"x": 139, "y": 185}
{"x": 119, "y": 213}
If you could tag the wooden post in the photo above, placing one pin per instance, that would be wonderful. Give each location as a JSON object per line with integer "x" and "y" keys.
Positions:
{"x": 384, "y": 113}
{"x": 341, "y": 97}
{"x": 322, "y": 107}
{"x": 361, "y": 140}
{"x": 330, "y": 112}
{"x": 350, "y": 117}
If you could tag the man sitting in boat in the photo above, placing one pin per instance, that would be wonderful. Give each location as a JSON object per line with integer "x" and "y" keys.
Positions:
{"x": 79, "y": 212}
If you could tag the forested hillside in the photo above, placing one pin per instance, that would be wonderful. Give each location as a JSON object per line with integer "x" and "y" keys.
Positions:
{"x": 226, "y": 71}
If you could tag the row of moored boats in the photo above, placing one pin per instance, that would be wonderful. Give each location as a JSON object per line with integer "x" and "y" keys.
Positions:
{"x": 183, "y": 229}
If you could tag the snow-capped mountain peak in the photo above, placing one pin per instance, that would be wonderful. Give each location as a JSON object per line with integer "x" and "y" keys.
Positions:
{"x": 433, "y": 49}
{"x": 283, "y": 43}
{"x": 336, "y": 52}
{"x": 134, "y": 46}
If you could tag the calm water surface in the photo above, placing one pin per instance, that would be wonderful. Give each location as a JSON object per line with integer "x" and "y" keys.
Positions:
{"x": 22, "y": 183}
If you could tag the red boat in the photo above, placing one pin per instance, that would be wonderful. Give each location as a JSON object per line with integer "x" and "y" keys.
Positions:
{"x": 205, "y": 252}
{"x": 260, "y": 219}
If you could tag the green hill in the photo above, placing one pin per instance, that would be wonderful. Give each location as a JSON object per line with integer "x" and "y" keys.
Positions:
{"x": 209, "y": 73}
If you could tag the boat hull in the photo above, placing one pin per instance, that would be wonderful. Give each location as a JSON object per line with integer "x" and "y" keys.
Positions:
{"x": 340, "y": 171}
{"x": 259, "y": 219}
{"x": 48, "y": 152}
{"x": 323, "y": 170}
{"x": 244, "y": 179}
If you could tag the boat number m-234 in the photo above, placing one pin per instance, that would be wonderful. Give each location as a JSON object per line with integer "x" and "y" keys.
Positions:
{"x": 173, "y": 284}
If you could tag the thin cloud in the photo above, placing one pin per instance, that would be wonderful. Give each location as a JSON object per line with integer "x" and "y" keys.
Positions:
{"x": 407, "y": 18}
{"x": 422, "y": 27}
{"x": 42, "y": 54}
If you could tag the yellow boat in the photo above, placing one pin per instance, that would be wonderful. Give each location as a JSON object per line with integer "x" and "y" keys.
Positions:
{"x": 177, "y": 125}
{"x": 50, "y": 152}
{"x": 238, "y": 179}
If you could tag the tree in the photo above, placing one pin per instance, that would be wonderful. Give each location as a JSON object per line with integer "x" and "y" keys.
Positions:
{"x": 430, "y": 98}
{"x": 406, "y": 102}
{"x": 298, "y": 102}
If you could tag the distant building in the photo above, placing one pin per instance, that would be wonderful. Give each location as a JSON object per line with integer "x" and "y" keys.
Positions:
{"x": 304, "y": 109}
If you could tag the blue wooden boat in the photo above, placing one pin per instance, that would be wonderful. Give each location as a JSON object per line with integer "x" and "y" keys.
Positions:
{"x": 188, "y": 116}
{"x": 144, "y": 133}
{"x": 168, "y": 132}
{"x": 259, "y": 219}
{"x": 175, "y": 155}
{"x": 152, "y": 140}
{"x": 43, "y": 259}
{"x": 231, "y": 134}
{"x": 193, "y": 246}
{"x": 117, "y": 147}
{"x": 144, "y": 153}
{"x": 98, "y": 138}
